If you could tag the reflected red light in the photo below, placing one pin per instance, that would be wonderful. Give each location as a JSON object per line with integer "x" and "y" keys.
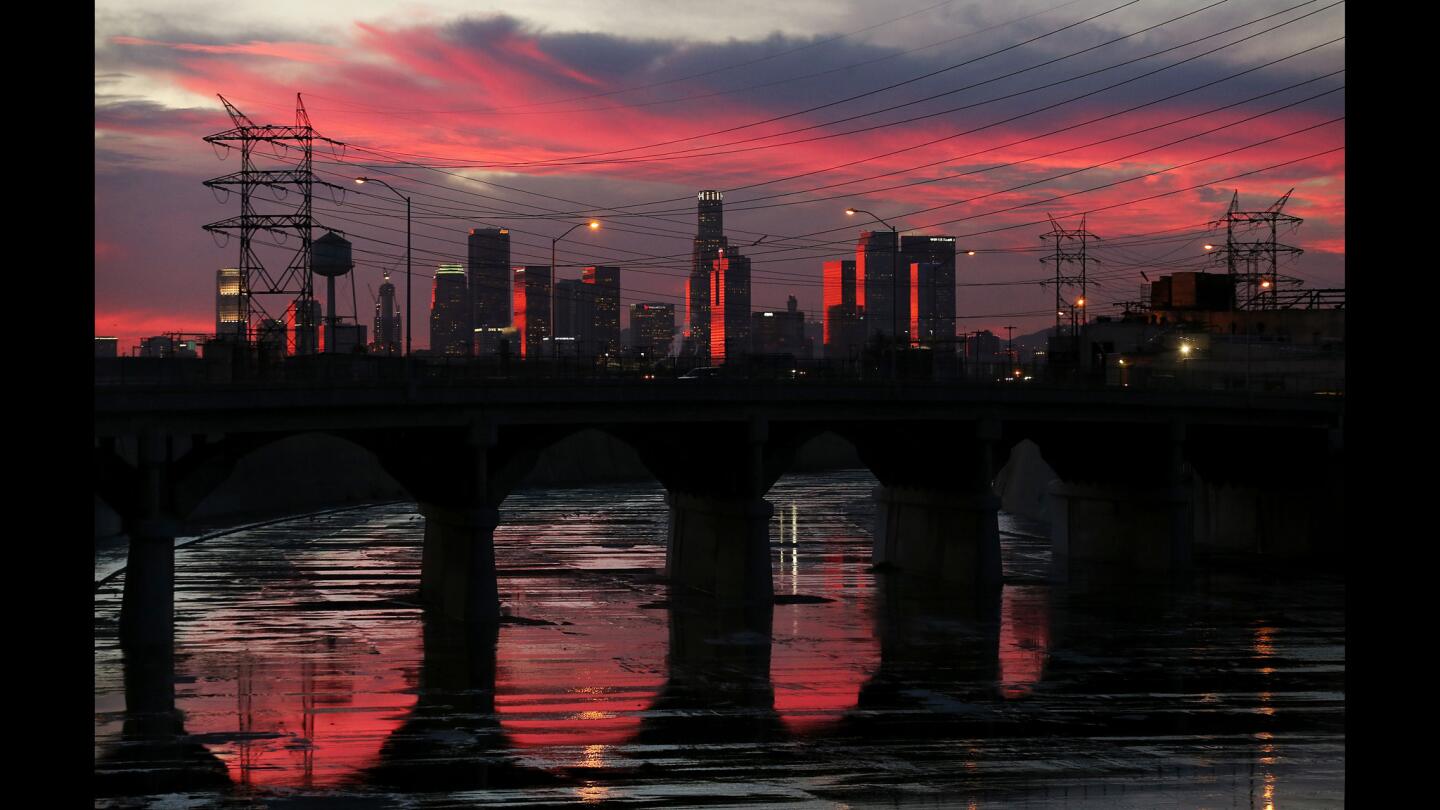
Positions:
{"x": 290, "y": 721}
{"x": 552, "y": 690}
{"x": 1024, "y": 638}
{"x": 820, "y": 657}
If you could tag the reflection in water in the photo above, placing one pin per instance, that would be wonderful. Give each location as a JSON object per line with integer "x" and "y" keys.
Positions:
{"x": 821, "y": 652}
{"x": 1024, "y": 638}
{"x": 303, "y": 666}
{"x": 311, "y": 714}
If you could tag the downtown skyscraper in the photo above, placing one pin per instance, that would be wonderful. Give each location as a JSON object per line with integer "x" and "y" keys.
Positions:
{"x": 532, "y": 310}
{"x": 652, "y": 329}
{"x": 710, "y": 242}
{"x": 488, "y": 272}
{"x": 843, "y": 309}
{"x": 928, "y": 263}
{"x": 729, "y": 307}
{"x": 604, "y": 296}
{"x": 229, "y": 310}
{"x": 450, "y": 329}
{"x": 886, "y": 283}
{"x": 387, "y": 321}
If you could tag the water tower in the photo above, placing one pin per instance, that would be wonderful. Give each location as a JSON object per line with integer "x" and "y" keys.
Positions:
{"x": 330, "y": 257}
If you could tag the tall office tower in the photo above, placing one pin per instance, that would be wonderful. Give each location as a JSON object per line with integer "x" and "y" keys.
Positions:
{"x": 488, "y": 265}
{"x": 652, "y": 329}
{"x": 932, "y": 306}
{"x": 532, "y": 309}
{"x": 843, "y": 310}
{"x": 605, "y": 327}
{"x": 387, "y": 321}
{"x": 933, "y": 323}
{"x": 887, "y": 297}
{"x": 779, "y": 332}
{"x": 729, "y": 308}
{"x": 575, "y": 315}
{"x": 305, "y": 326}
{"x": 229, "y": 314}
{"x": 450, "y": 329}
{"x": 710, "y": 243}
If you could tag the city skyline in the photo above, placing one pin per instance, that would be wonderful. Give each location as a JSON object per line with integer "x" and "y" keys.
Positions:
{"x": 155, "y": 96}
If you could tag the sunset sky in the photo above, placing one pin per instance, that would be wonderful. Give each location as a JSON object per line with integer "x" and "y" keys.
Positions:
{"x": 958, "y": 118}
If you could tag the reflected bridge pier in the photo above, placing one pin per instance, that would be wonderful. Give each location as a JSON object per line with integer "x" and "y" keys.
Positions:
{"x": 1125, "y": 459}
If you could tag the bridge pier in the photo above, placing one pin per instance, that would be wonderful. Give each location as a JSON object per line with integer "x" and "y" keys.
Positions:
{"x": 147, "y": 606}
{"x": 457, "y": 568}
{"x": 720, "y": 545}
{"x": 1147, "y": 530}
{"x": 951, "y": 536}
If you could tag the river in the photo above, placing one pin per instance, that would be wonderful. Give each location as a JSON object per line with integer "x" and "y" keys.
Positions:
{"x": 304, "y": 674}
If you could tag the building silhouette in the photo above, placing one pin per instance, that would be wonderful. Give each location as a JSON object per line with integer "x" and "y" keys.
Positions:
{"x": 229, "y": 310}
{"x": 605, "y": 298}
{"x": 387, "y": 321}
{"x": 107, "y": 347}
{"x": 779, "y": 332}
{"x": 450, "y": 330}
{"x": 887, "y": 296}
{"x": 575, "y": 315}
{"x": 929, "y": 264}
{"x": 532, "y": 309}
{"x": 710, "y": 241}
{"x": 729, "y": 307}
{"x": 488, "y": 268}
{"x": 304, "y": 326}
{"x": 652, "y": 329}
{"x": 272, "y": 338}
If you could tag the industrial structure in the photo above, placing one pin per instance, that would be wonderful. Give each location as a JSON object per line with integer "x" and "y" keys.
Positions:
{"x": 292, "y": 146}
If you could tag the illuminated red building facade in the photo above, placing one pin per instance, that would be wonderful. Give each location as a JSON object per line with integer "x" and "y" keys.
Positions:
{"x": 844, "y": 309}
{"x": 710, "y": 243}
{"x": 729, "y": 308}
{"x": 532, "y": 309}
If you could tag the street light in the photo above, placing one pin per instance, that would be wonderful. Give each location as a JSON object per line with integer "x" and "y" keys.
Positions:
{"x": 409, "y": 311}
{"x": 555, "y": 277}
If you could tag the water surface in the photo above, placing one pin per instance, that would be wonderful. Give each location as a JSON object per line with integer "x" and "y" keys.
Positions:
{"x": 304, "y": 672}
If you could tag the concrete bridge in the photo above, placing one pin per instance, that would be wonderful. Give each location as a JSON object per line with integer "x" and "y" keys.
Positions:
{"x": 1125, "y": 458}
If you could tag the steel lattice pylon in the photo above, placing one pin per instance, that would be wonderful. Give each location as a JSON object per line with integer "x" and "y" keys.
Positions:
{"x": 292, "y": 146}
{"x": 1254, "y": 263}
{"x": 1070, "y": 248}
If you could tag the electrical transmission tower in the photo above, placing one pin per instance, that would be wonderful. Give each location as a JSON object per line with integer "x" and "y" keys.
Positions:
{"x": 292, "y": 146}
{"x": 1251, "y": 261}
{"x": 1070, "y": 249}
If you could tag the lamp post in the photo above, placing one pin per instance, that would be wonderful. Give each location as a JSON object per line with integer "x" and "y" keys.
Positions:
{"x": 555, "y": 277}
{"x": 409, "y": 311}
